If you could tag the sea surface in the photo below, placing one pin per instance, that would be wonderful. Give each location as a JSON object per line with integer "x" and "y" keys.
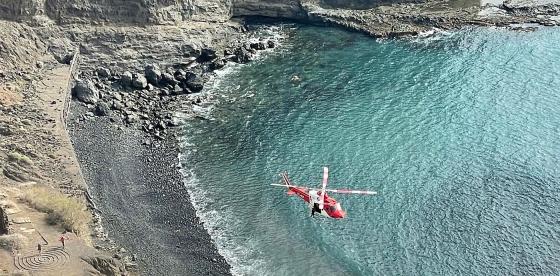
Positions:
{"x": 459, "y": 133}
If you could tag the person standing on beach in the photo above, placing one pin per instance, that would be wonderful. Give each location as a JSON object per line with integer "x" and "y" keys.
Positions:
{"x": 62, "y": 241}
{"x": 39, "y": 248}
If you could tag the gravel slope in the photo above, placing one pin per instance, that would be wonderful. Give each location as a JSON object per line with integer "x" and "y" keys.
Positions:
{"x": 144, "y": 205}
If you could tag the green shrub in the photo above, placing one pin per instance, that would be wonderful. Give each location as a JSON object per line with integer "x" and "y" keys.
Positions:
{"x": 19, "y": 158}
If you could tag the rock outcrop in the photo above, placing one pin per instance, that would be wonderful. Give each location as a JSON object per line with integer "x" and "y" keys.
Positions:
{"x": 17, "y": 9}
{"x": 86, "y": 91}
{"x": 379, "y": 18}
{"x": 4, "y": 223}
{"x": 361, "y": 4}
{"x": 269, "y": 8}
{"x": 136, "y": 11}
{"x": 106, "y": 265}
{"x": 147, "y": 11}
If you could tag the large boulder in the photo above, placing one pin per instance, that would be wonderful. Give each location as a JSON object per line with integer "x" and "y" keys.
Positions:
{"x": 153, "y": 74}
{"x": 85, "y": 91}
{"x": 194, "y": 83}
{"x": 206, "y": 54}
{"x": 139, "y": 81}
{"x": 180, "y": 75}
{"x": 63, "y": 57}
{"x": 102, "y": 109}
{"x": 126, "y": 79}
{"x": 190, "y": 50}
{"x": 178, "y": 90}
{"x": 189, "y": 76}
{"x": 258, "y": 45}
{"x": 218, "y": 64}
{"x": 103, "y": 72}
{"x": 168, "y": 79}
{"x": 242, "y": 55}
{"x": 270, "y": 44}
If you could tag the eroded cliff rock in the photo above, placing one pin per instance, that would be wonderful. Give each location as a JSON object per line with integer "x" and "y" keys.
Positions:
{"x": 4, "y": 225}
{"x": 17, "y": 9}
{"x": 361, "y": 4}
{"x": 269, "y": 8}
{"x": 147, "y": 11}
{"x": 133, "y": 11}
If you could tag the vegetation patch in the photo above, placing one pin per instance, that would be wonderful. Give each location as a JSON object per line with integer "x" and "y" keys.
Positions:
{"x": 62, "y": 210}
{"x": 19, "y": 158}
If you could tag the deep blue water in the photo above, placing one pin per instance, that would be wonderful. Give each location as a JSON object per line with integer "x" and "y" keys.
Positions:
{"x": 459, "y": 134}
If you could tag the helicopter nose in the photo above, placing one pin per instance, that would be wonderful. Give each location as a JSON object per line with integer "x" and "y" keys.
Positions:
{"x": 339, "y": 214}
{"x": 342, "y": 214}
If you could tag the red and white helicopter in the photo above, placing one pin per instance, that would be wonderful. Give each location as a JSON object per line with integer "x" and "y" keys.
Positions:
{"x": 318, "y": 200}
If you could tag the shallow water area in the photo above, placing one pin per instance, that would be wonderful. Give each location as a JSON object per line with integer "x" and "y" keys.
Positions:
{"x": 457, "y": 132}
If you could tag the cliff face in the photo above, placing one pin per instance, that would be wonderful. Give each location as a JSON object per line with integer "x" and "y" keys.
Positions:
{"x": 133, "y": 11}
{"x": 147, "y": 11}
{"x": 138, "y": 11}
{"x": 269, "y": 8}
{"x": 361, "y": 4}
{"x": 16, "y": 9}
{"x": 167, "y": 11}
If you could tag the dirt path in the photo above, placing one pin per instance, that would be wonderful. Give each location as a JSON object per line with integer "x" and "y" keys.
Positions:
{"x": 54, "y": 163}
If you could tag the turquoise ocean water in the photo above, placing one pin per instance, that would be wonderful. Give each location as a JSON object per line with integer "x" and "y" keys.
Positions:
{"x": 459, "y": 133}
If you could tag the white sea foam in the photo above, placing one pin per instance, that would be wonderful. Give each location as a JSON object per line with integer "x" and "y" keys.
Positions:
{"x": 433, "y": 34}
{"x": 222, "y": 225}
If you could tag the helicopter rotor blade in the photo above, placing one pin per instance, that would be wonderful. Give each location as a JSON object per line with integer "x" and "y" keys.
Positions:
{"x": 325, "y": 180}
{"x": 346, "y": 191}
{"x": 289, "y": 186}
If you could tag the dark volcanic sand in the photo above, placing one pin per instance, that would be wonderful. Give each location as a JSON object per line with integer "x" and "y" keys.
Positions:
{"x": 144, "y": 204}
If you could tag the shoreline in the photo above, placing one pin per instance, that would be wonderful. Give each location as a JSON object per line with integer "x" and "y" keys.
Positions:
{"x": 133, "y": 170}
{"x": 137, "y": 188}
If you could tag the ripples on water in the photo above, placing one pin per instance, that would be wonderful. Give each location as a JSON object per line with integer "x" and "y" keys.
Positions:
{"x": 458, "y": 133}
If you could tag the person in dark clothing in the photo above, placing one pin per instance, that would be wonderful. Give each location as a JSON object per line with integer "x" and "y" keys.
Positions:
{"x": 62, "y": 241}
{"x": 315, "y": 209}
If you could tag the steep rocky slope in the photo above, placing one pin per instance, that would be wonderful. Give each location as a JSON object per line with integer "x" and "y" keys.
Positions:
{"x": 133, "y": 11}
{"x": 375, "y": 17}
{"x": 146, "y": 11}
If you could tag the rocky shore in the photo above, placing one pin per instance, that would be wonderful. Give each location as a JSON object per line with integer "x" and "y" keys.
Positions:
{"x": 123, "y": 127}
{"x": 412, "y": 19}
{"x": 147, "y": 99}
{"x": 141, "y": 200}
